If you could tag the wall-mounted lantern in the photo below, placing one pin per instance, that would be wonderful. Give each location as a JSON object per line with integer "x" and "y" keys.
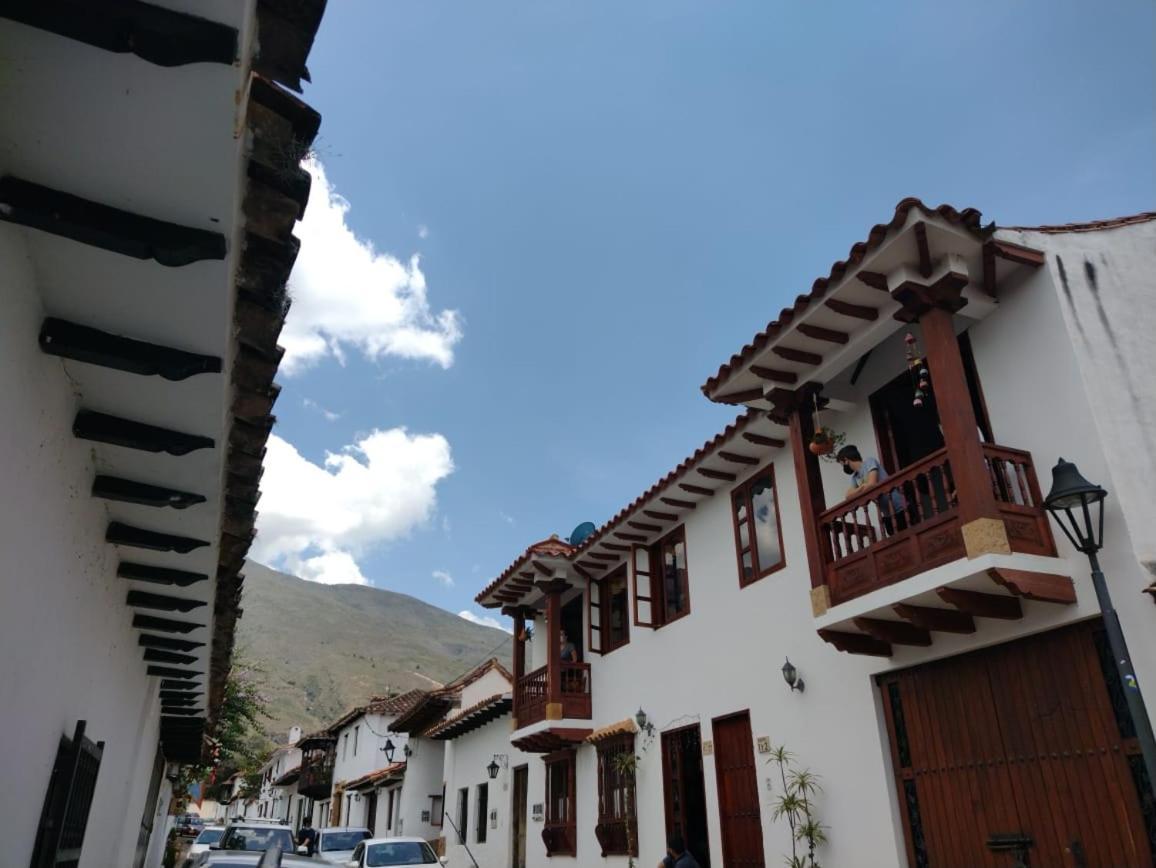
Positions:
{"x": 389, "y": 750}
{"x": 791, "y": 676}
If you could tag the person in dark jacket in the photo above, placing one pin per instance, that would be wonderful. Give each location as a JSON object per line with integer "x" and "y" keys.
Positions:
{"x": 677, "y": 856}
{"x": 307, "y": 837}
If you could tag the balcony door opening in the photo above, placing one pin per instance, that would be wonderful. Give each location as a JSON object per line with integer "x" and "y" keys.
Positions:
{"x": 518, "y": 816}
{"x": 907, "y": 433}
{"x": 684, "y": 791}
{"x": 572, "y": 624}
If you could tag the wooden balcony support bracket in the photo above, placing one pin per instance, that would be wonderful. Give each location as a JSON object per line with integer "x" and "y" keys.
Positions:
{"x": 931, "y": 618}
{"x": 788, "y": 378}
{"x": 894, "y": 632}
{"x": 856, "y": 643}
{"x": 737, "y": 457}
{"x": 1041, "y": 587}
{"x": 819, "y": 333}
{"x": 760, "y": 440}
{"x": 677, "y": 504}
{"x": 796, "y": 407}
{"x": 982, "y": 605}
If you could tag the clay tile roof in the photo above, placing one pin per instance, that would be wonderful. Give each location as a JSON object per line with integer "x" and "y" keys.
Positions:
{"x": 623, "y": 727}
{"x": 288, "y": 777}
{"x": 1090, "y": 226}
{"x": 477, "y": 715}
{"x": 399, "y": 704}
{"x": 463, "y": 681}
{"x": 554, "y": 546}
{"x": 396, "y": 770}
{"x": 969, "y": 218}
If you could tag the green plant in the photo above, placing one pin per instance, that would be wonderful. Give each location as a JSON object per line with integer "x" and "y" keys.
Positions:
{"x": 626, "y": 764}
{"x": 797, "y": 804}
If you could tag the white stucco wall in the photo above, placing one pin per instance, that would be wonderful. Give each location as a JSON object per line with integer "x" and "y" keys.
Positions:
{"x": 369, "y": 757}
{"x": 492, "y": 683}
{"x": 67, "y": 648}
{"x": 423, "y": 778}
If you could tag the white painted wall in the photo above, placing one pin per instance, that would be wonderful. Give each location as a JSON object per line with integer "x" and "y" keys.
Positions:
{"x": 493, "y": 683}
{"x": 67, "y": 647}
{"x": 423, "y": 778}
{"x": 725, "y": 656}
{"x": 466, "y": 758}
{"x": 369, "y": 757}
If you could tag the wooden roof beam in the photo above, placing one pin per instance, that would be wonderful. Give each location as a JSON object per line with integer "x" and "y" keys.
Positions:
{"x": 690, "y": 488}
{"x": 740, "y": 397}
{"x": 737, "y": 458}
{"x": 775, "y": 376}
{"x": 801, "y": 356}
{"x": 983, "y": 605}
{"x": 660, "y": 516}
{"x": 822, "y": 334}
{"x": 761, "y": 440}
{"x": 678, "y": 504}
{"x": 858, "y": 311}
{"x": 716, "y": 474}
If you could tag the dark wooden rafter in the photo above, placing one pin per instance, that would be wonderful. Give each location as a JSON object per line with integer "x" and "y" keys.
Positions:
{"x": 722, "y": 475}
{"x": 1018, "y": 254}
{"x": 606, "y": 556}
{"x": 179, "y": 701}
{"x": 740, "y": 397}
{"x": 543, "y": 569}
{"x": 163, "y": 602}
{"x": 941, "y": 620}
{"x": 158, "y": 575}
{"x": 737, "y": 458}
{"x": 112, "y": 229}
{"x": 285, "y": 31}
{"x": 1041, "y": 587}
{"x": 172, "y": 710}
{"x": 161, "y": 36}
{"x": 982, "y": 605}
{"x": 819, "y": 333}
{"x": 761, "y": 440}
{"x": 856, "y": 643}
{"x": 788, "y": 378}
{"x": 169, "y": 672}
{"x": 179, "y": 687}
{"x": 127, "y": 491}
{"x": 615, "y": 547}
{"x": 164, "y": 625}
{"x": 893, "y": 632}
{"x": 146, "y": 640}
{"x": 528, "y": 576}
{"x": 858, "y": 311}
{"x": 923, "y": 248}
{"x": 691, "y": 488}
{"x": 644, "y": 526}
{"x": 678, "y": 504}
{"x": 989, "y": 279}
{"x": 794, "y": 355}
{"x": 659, "y": 516}
{"x": 122, "y": 534}
{"x": 591, "y": 565}
{"x": 873, "y": 279}
{"x": 159, "y": 655}
{"x": 102, "y": 428}
{"x": 80, "y": 343}
{"x": 631, "y": 537}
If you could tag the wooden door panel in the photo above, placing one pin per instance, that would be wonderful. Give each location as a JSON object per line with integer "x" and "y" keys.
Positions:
{"x": 1019, "y": 738}
{"x": 738, "y": 791}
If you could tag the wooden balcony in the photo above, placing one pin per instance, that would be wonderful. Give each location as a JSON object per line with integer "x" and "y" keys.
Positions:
{"x": 532, "y": 693}
{"x": 316, "y": 780}
{"x": 910, "y": 523}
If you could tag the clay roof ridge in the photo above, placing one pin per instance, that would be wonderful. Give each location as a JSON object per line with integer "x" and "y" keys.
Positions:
{"x": 1089, "y": 225}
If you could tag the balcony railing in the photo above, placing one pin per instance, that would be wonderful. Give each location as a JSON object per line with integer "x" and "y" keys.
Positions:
{"x": 910, "y": 523}
{"x": 533, "y": 692}
{"x": 316, "y": 779}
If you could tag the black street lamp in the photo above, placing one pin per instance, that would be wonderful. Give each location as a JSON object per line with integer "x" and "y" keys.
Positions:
{"x": 389, "y": 750}
{"x": 492, "y": 769}
{"x": 1071, "y": 503}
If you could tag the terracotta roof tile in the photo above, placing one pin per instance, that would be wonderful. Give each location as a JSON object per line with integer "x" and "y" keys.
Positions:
{"x": 623, "y": 727}
{"x": 968, "y": 218}
{"x": 1090, "y": 226}
{"x": 552, "y": 546}
{"x": 396, "y": 770}
{"x": 490, "y": 708}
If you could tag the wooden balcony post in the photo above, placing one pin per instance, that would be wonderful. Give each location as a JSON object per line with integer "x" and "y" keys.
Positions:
{"x": 798, "y": 407}
{"x": 519, "y": 615}
{"x": 982, "y": 526}
{"x": 553, "y": 590}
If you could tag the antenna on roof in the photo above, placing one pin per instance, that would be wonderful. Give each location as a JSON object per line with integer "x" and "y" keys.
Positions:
{"x": 580, "y": 533}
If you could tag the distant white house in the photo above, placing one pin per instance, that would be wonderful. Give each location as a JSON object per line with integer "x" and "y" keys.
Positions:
{"x": 278, "y": 779}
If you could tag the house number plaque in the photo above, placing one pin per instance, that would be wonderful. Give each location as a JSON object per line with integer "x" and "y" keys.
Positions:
{"x": 764, "y": 744}
{"x": 708, "y": 748}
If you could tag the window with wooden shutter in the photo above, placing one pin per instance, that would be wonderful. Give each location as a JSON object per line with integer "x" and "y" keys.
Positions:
{"x": 758, "y": 536}
{"x": 645, "y": 609}
{"x": 594, "y": 638}
{"x": 64, "y": 817}
{"x": 609, "y": 611}
{"x": 617, "y": 828}
{"x": 559, "y": 831}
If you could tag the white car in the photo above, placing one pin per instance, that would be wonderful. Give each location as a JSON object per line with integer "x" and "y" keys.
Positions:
{"x": 382, "y": 852}
{"x": 209, "y": 836}
{"x": 335, "y": 844}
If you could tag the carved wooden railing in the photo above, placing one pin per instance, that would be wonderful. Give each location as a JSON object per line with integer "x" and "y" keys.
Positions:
{"x": 533, "y": 691}
{"x": 909, "y": 523}
{"x": 316, "y": 773}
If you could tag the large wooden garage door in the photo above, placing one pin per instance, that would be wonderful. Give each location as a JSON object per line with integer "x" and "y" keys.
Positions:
{"x": 1030, "y": 738}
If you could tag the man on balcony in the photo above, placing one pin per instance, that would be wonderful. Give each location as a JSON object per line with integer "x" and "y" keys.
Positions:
{"x": 867, "y": 473}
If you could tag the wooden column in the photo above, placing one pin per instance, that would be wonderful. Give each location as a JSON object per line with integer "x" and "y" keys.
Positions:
{"x": 553, "y": 590}
{"x": 980, "y": 520}
{"x": 519, "y": 615}
{"x": 809, "y": 484}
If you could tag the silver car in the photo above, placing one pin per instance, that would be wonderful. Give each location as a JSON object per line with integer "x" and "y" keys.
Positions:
{"x": 336, "y": 844}
{"x": 382, "y": 852}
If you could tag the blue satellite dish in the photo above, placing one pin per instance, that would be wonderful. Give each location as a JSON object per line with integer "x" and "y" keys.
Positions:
{"x": 581, "y": 532}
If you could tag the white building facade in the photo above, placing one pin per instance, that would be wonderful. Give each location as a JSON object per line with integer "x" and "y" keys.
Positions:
{"x": 957, "y": 683}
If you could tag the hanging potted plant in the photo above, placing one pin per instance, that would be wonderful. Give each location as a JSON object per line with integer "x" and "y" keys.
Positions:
{"x": 825, "y": 441}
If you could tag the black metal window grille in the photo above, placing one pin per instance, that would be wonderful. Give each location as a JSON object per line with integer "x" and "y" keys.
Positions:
{"x": 64, "y": 817}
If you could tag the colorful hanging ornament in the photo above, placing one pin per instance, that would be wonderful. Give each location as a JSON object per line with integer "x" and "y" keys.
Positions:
{"x": 917, "y": 369}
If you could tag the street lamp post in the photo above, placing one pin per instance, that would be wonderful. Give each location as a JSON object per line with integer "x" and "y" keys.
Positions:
{"x": 1072, "y": 492}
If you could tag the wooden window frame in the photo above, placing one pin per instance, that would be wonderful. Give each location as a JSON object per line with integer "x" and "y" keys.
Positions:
{"x": 656, "y": 580}
{"x": 463, "y": 814}
{"x": 744, "y": 488}
{"x": 435, "y": 801}
{"x": 610, "y": 780}
{"x": 600, "y": 586}
{"x": 568, "y": 825}
{"x": 356, "y": 738}
{"x": 481, "y": 822}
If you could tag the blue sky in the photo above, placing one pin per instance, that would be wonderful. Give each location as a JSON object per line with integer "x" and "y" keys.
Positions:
{"x": 607, "y": 199}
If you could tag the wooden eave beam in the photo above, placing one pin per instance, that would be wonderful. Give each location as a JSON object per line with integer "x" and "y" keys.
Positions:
{"x": 982, "y": 605}
{"x": 794, "y": 355}
{"x": 146, "y": 640}
{"x": 605, "y": 556}
{"x": 644, "y": 526}
{"x": 737, "y": 458}
{"x": 822, "y": 334}
{"x": 163, "y": 602}
{"x": 761, "y": 440}
{"x": 92, "y": 346}
{"x": 630, "y": 537}
{"x": 102, "y": 428}
{"x": 893, "y": 632}
{"x": 678, "y": 504}
{"x": 1018, "y": 254}
{"x": 856, "y": 643}
{"x": 941, "y": 620}
{"x": 158, "y": 575}
{"x": 873, "y": 279}
{"x": 122, "y": 534}
{"x": 690, "y": 488}
{"x": 858, "y": 311}
{"x": 1041, "y": 587}
{"x": 542, "y": 568}
{"x": 128, "y": 491}
{"x": 788, "y": 378}
{"x": 716, "y": 474}
{"x": 591, "y": 565}
{"x": 164, "y": 625}
{"x": 740, "y": 397}
{"x": 659, "y": 516}
{"x": 923, "y": 248}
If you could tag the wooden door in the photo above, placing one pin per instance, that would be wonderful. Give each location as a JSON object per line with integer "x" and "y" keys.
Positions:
{"x": 371, "y": 813}
{"x": 738, "y": 792}
{"x": 1030, "y": 738}
{"x": 518, "y": 817}
{"x": 684, "y": 791}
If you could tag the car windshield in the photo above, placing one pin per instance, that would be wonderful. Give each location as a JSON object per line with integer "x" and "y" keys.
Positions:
{"x": 342, "y": 840}
{"x": 209, "y": 836}
{"x": 400, "y": 853}
{"x": 249, "y": 838}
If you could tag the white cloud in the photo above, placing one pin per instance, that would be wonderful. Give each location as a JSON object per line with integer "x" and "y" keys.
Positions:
{"x": 348, "y": 295}
{"x": 423, "y": 231}
{"x": 329, "y": 415}
{"x": 444, "y": 578}
{"x": 484, "y": 621}
{"x": 318, "y": 519}
{"x": 508, "y": 519}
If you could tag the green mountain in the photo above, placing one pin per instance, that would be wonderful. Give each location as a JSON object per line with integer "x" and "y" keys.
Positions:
{"x": 327, "y": 648}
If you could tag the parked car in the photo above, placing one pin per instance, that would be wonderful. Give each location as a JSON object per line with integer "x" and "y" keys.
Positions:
{"x": 209, "y": 836}
{"x": 255, "y": 836}
{"x": 382, "y": 852}
{"x": 188, "y": 825}
{"x": 335, "y": 844}
{"x": 271, "y": 859}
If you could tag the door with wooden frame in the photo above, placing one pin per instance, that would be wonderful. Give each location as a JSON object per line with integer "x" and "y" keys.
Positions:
{"x": 684, "y": 790}
{"x": 740, "y": 815}
{"x": 518, "y": 808}
{"x": 1031, "y": 739}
